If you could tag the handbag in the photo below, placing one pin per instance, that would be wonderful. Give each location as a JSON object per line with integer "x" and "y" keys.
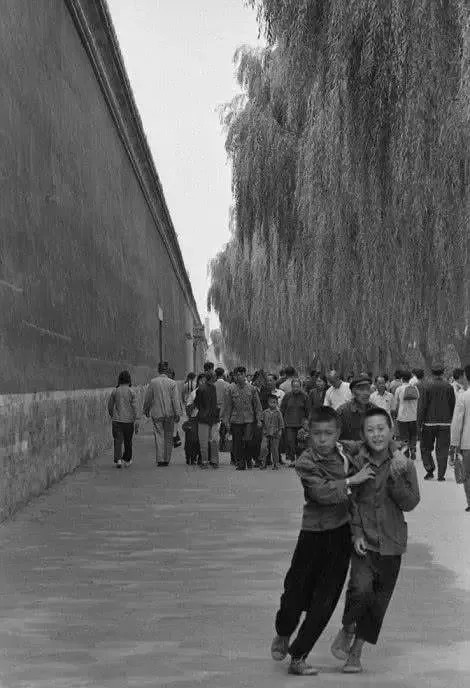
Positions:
{"x": 459, "y": 469}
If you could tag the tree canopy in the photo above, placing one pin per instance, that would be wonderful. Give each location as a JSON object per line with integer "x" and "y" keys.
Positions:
{"x": 350, "y": 155}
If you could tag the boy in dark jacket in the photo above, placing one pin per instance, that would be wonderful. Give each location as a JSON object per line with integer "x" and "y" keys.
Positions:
{"x": 272, "y": 427}
{"x": 379, "y": 537}
{"x": 321, "y": 559}
{"x": 295, "y": 410}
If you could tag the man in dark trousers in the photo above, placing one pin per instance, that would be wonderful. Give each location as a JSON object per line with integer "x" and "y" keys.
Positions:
{"x": 435, "y": 409}
{"x": 241, "y": 412}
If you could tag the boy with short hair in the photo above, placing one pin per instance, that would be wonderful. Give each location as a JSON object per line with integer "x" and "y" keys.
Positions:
{"x": 272, "y": 425}
{"x": 321, "y": 559}
{"x": 379, "y": 538}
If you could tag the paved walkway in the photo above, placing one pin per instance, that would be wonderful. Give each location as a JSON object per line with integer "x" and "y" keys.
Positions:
{"x": 171, "y": 577}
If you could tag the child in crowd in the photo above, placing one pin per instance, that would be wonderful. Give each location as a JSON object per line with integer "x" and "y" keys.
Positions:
{"x": 122, "y": 407}
{"x": 379, "y": 537}
{"x": 321, "y": 559}
{"x": 273, "y": 425}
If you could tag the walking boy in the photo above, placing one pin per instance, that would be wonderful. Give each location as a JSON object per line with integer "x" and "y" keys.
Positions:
{"x": 379, "y": 537}
{"x": 321, "y": 558}
{"x": 272, "y": 425}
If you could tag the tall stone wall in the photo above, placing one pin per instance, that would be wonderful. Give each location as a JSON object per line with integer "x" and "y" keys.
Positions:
{"x": 88, "y": 255}
{"x": 89, "y": 260}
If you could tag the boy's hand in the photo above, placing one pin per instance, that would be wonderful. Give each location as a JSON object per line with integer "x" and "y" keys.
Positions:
{"x": 366, "y": 473}
{"x": 136, "y": 427}
{"x": 360, "y": 545}
{"x": 398, "y": 465}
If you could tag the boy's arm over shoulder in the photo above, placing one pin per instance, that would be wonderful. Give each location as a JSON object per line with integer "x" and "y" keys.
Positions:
{"x": 318, "y": 485}
{"x": 404, "y": 487}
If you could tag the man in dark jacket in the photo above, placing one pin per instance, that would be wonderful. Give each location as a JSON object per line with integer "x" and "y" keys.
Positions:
{"x": 208, "y": 421}
{"x": 351, "y": 414}
{"x": 295, "y": 410}
{"x": 241, "y": 411}
{"x": 435, "y": 409}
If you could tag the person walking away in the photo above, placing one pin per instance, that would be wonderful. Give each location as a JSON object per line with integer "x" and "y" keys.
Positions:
{"x": 272, "y": 427}
{"x": 176, "y": 435}
{"x": 122, "y": 408}
{"x": 459, "y": 381}
{"x": 379, "y": 538}
{"x": 162, "y": 404}
{"x": 338, "y": 393}
{"x": 381, "y": 397}
{"x": 317, "y": 393}
{"x": 254, "y": 448}
{"x": 192, "y": 449}
{"x": 435, "y": 409}
{"x": 460, "y": 434}
{"x": 290, "y": 374}
{"x": 295, "y": 411}
{"x": 396, "y": 382}
{"x": 242, "y": 409}
{"x": 406, "y": 410}
{"x": 221, "y": 387}
{"x": 321, "y": 558}
{"x": 208, "y": 421}
{"x": 352, "y": 412}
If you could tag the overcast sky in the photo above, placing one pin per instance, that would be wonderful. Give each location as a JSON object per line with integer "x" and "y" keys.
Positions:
{"x": 179, "y": 57}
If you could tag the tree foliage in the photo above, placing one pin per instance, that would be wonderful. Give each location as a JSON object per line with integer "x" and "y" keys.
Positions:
{"x": 350, "y": 155}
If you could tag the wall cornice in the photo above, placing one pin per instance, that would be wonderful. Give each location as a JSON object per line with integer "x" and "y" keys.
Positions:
{"x": 93, "y": 21}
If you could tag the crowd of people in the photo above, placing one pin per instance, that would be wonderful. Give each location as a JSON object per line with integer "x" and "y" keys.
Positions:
{"x": 264, "y": 419}
{"x": 353, "y": 444}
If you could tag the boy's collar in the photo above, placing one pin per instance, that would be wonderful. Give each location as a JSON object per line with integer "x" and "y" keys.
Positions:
{"x": 367, "y": 454}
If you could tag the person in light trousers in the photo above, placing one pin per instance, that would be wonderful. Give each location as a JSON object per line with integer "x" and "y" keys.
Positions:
{"x": 162, "y": 404}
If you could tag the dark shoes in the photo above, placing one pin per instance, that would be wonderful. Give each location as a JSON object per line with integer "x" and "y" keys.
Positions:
{"x": 353, "y": 664}
{"x": 342, "y": 644}
{"x": 280, "y": 648}
{"x": 429, "y": 476}
{"x": 468, "y": 508}
{"x": 299, "y": 667}
{"x": 163, "y": 463}
{"x": 441, "y": 479}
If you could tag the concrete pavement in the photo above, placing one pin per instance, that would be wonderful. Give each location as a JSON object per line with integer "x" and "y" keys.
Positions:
{"x": 171, "y": 577}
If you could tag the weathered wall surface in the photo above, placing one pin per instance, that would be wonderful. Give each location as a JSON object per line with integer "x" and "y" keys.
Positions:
{"x": 44, "y": 436}
{"x": 83, "y": 262}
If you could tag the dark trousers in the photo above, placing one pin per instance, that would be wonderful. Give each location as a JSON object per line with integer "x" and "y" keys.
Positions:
{"x": 313, "y": 584}
{"x": 122, "y": 434}
{"x": 291, "y": 443}
{"x": 371, "y": 585}
{"x": 438, "y": 437}
{"x": 241, "y": 438}
{"x": 408, "y": 433}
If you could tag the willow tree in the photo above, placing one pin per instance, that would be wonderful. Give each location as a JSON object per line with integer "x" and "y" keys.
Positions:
{"x": 350, "y": 155}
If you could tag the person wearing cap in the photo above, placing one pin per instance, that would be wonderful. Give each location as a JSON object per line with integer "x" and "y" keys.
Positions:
{"x": 435, "y": 410}
{"x": 352, "y": 412}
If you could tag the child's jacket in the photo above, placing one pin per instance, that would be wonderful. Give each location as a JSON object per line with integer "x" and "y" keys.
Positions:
{"x": 327, "y": 502}
{"x": 273, "y": 422}
{"x": 378, "y": 505}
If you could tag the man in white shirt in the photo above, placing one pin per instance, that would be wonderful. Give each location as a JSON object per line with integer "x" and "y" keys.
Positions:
{"x": 459, "y": 381}
{"x": 338, "y": 393}
{"x": 286, "y": 386}
{"x": 406, "y": 404}
{"x": 381, "y": 397}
